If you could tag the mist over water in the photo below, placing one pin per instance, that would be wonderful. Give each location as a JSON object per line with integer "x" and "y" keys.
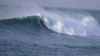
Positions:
{"x": 73, "y": 22}
{"x": 18, "y": 8}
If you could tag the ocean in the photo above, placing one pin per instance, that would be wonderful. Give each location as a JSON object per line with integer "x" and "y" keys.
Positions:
{"x": 58, "y": 32}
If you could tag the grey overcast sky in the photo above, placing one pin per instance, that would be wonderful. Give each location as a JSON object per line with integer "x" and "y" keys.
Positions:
{"x": 81, "y": 4}
{"x": 17, "y": 8}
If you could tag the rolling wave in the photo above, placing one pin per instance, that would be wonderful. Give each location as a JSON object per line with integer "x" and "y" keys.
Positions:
{"x": 36, "y": 29}
{"x": 21, "y": 24}
{"x": 25, "y": 20}
{"x": 79, "y": 23}
{"x": 66, "y": 21}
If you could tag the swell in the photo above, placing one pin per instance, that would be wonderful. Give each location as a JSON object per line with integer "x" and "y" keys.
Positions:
{"x": 31, "y": 25}
{"x": 17, "y": 28}
{"x": 32, "y": 22}
{"x": 29, "y": 20}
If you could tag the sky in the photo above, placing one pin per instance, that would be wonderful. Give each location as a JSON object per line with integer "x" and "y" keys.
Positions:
{"x": 16, "y": 8}
{"x": 79, "y": 4}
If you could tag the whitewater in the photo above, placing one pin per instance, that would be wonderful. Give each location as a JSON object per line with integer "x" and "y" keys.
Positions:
{"x": 31, "y": 30}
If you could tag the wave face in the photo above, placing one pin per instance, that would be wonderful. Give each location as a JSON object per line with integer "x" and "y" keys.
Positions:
{"x": 22, "y": 21}
{"x": 24, "y": 25}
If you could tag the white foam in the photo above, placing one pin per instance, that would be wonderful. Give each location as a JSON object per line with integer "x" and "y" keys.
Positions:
{"x": 72, "y": 22}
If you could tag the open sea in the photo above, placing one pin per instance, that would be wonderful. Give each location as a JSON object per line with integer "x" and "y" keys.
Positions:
{"x": 57, "y": 32}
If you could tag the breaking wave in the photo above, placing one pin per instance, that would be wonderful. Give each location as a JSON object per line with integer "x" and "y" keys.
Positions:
{"x": 72, "y": 22}
{"x": 40, "y": 29}
{"x": 66, "y": 21}
{"x": 78, "y": 23}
